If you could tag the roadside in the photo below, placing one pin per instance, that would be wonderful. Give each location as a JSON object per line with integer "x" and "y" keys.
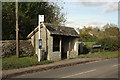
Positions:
{"x": 103, "y": 54}
{"x": 98, "y": 69}
{"x": 58, "y": 64}
{"x": 55, "y": 65}
{"x": 13, "y": 62}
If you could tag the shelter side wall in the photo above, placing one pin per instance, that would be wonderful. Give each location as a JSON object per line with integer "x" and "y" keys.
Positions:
{"x": 74, "y": 48}
{"x": 44, "y": 38}
{"x": 34, "y": 41}
{"x": 50, "y": 47}
{"x": 56, "y": 56}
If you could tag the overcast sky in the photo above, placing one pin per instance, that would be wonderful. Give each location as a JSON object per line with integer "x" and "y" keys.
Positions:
{"x": 88, "y": 13}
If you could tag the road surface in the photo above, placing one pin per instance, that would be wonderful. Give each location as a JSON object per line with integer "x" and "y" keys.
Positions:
{"x": 98, "y": 69}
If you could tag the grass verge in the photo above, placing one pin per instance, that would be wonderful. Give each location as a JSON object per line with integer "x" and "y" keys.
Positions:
{"x": 89, "y": 44}
{"x": 14, "y": 63}
{"x": 106, "y": 54}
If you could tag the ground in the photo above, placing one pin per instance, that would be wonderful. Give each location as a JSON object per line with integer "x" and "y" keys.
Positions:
{"x": 13, "y": 62}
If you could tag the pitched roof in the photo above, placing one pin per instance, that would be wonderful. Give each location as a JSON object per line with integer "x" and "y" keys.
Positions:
{"x": 57, "y": 30}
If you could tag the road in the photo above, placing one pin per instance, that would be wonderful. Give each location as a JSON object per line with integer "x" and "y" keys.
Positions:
{"x": 98, "y": 69}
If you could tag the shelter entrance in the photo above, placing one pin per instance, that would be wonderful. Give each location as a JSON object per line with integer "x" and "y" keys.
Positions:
{"x": 64, "y": 47}
{"x": 61, "y": 44}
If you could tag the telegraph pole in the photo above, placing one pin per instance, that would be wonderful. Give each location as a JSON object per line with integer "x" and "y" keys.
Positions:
{"x": 17, "y": 35}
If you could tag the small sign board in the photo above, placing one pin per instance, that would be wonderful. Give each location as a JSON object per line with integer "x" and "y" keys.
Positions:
{"x": 40, "y": 43}
{"x": 96, "y": 46}
{"x": 41, "y": 18}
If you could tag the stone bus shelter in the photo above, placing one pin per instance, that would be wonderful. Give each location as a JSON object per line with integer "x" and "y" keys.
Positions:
{"x": 58, "y": 42}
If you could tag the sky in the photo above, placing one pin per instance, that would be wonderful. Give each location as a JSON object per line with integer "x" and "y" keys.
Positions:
{"x": 88, "y": 13}
{"x": 79, "y": 13}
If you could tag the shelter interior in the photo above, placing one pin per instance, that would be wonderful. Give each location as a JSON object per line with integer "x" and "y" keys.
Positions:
{"x": 63, "y": 44}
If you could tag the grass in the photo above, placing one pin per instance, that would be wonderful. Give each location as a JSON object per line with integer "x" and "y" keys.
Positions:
{"x": 83, "y": 56}
{"x": 106, "y": 54}
{"x": 14, "y": 63}
{"x": 89, "y": 44}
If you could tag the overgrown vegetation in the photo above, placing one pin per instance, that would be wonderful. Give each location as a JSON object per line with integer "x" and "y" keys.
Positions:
{"x": 108, "y": 37}
{"x": 105, "y": 54}
{"x": 87, "y": 35}
{"x": 14, "y": 63}
{"x": 89, "y": 44}
{"x": 109, "y": 43}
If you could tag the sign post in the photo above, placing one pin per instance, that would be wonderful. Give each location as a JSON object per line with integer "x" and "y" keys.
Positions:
{"x": 41, "y": 19}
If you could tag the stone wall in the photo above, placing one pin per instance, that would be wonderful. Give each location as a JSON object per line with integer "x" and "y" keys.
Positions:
{"x": 56, "y": 56}
{"x": 46, "y": 39}
{"x": 9, "y": 48}
{"x": 73, "y": 54}
{"x": 50, "y": 47}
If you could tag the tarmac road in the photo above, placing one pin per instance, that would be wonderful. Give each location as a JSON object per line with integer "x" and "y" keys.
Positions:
{"x": 99, "y": 69}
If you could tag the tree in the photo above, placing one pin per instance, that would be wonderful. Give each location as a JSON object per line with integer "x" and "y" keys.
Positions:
{"x": 28, "y": 17}
{"x": 110, "y": 37}
{"x": 88, "y": 34}
{"x": 112, "y": 31}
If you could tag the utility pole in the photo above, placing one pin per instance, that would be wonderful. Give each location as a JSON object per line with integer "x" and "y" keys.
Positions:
{"x": 17, "y": 35}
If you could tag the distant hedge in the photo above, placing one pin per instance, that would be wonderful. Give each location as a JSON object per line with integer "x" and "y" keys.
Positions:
{"x": 109, "y": 43}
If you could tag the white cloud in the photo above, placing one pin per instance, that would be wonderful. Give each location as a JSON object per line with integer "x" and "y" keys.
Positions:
{"x": 98, "y": 23}
{"x": 107, "y": 6}
{"x": 79, "y": 24}
{"x": 90, "y": 4}
{"x": 88, "y": 0}
{"x": 111, "y": 6}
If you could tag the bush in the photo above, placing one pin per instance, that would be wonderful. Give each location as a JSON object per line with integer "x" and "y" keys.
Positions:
{"x": 96, "y": 50}
{"x": 109, "y": 43}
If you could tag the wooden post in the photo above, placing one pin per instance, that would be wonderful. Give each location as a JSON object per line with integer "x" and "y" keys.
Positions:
{"x": 69, "y": 50}
{"x": 17, "y": 35}
{"x": 60, "y": 45}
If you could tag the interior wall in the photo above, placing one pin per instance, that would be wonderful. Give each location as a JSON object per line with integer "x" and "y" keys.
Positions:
{"x": 65, "y": 44}
{"x": 56, "y": 43}
{"x": 72, "y": 44}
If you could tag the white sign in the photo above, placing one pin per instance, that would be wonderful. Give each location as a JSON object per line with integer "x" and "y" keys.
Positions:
{"x": 41, "y": 18}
